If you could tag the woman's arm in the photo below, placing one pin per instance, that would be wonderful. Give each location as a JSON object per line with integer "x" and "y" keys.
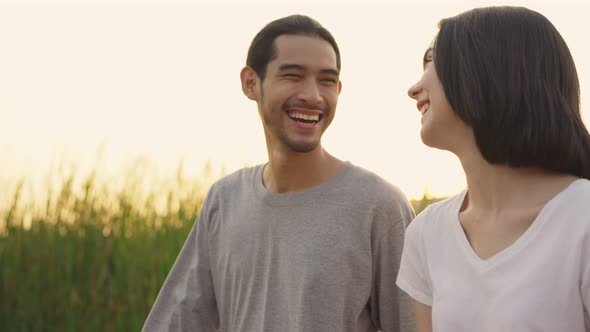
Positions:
{"x": 423, "y": 317}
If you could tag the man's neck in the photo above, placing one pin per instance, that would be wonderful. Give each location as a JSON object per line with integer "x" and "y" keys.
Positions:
{"x": 298, "y": 171}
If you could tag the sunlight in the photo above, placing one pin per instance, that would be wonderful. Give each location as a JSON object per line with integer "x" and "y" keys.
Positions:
{"x": 162, "y": 81}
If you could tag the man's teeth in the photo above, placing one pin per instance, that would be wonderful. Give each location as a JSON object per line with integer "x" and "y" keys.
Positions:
{"x": 314, "y": 117}
{"x": 424, "y": 108}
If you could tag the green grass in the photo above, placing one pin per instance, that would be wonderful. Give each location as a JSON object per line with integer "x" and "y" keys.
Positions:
{"x": 93, "y": 258}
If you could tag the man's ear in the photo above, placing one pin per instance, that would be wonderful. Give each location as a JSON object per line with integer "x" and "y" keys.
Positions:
{"x": 249, "y": 80}
{"x": 339, "y": 86}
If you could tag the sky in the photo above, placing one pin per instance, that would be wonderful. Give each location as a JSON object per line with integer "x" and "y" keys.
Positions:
{"x": 102, "y": 83}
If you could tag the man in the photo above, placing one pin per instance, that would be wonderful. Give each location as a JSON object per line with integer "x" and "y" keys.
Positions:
{"x": 306, "y": 242}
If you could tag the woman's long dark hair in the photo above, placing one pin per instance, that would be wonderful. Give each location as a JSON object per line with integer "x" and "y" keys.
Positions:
{"x": 508, "y": 73}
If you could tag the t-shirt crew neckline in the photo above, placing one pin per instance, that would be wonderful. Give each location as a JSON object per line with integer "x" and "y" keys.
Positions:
{"x": 516, "y": 246}
{"x": 299, "y": 197}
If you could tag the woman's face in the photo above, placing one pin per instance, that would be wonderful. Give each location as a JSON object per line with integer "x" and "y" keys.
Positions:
{"x": 440, "y": 124}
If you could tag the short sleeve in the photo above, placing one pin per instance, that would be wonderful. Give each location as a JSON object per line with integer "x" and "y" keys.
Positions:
{"x": 413, "y": 275}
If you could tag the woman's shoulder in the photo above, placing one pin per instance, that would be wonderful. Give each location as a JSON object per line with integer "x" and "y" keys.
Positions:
{"x": 580, "y": 186}
{"x": 444, "y": 206}
{"x": 438, "y": 215}
{"x": 575, "y": 196}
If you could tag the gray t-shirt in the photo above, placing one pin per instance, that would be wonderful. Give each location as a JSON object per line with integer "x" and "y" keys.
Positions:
{"x": 325, "y": 259}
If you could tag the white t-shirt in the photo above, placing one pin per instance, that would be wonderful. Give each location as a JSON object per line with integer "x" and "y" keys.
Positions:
{"x": 539, "y": 283}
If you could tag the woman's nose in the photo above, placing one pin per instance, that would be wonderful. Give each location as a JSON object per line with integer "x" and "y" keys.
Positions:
{"x": 414, "y": 90}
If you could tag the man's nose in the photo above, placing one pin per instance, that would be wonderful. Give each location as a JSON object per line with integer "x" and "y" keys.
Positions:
{"x": 311, "y": 94}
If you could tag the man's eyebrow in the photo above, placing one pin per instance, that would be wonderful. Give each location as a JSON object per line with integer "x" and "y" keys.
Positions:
{"x": 330, "y": 71}
{"x": 290, "y": 66}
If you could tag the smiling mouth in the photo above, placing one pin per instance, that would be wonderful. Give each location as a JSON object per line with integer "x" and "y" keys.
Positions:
{"x": 424, "y": 108}
{"x": 305, "y": 118}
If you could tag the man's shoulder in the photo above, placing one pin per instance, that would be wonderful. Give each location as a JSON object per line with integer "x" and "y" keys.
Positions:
{"x": 230, "y": 187}
{"x": 237, "y": 178}
{"x": 387, "y": 202}
{"x": 373, "y": 186}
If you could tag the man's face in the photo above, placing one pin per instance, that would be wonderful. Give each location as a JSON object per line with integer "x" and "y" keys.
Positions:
{"x": 297, "y": 99}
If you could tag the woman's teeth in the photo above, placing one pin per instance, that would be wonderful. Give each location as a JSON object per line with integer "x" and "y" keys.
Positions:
{"x": 424, "y": 108}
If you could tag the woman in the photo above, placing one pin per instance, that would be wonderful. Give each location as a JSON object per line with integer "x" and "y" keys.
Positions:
{"x": 512, "y": 252}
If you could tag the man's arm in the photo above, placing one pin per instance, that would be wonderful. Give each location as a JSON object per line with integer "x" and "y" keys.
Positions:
{"x": 186, "y": 301}
{"x": 391, "y": 308}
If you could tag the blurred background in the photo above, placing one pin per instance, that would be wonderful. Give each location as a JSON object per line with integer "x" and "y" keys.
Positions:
{"x": 117, "y": 116}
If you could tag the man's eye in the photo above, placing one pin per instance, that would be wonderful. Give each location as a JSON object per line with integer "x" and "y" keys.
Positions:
{"x": 292, "y": 75}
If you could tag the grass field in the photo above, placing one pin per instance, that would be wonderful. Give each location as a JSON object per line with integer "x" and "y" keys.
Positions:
{"x": 90, "y": 258}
